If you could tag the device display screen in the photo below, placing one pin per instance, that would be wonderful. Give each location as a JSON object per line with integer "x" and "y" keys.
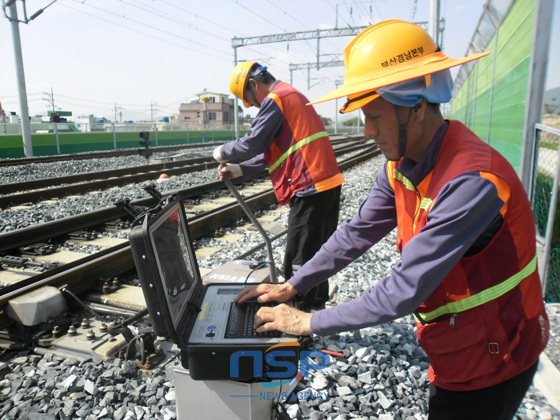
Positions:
{"x": 175, "y": 260}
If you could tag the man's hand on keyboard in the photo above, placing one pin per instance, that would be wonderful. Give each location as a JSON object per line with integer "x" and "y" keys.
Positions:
{"x": 283, "y": 318}
{"x": 267, "y": 292}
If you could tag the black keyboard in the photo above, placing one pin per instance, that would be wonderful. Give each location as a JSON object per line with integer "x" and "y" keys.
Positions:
{"x": 240, "y": 321}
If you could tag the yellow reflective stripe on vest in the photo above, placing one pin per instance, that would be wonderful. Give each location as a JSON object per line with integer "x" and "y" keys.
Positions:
{"x": 426, "y": 203}
{"x": 483, "y": 297}
{"x": 296, "y": 146}
{"x": 400, "y": 177}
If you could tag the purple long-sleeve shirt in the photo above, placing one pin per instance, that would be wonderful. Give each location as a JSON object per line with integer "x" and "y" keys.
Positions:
{"x": 462, "y": 211}
{"x": 249, "y": 149}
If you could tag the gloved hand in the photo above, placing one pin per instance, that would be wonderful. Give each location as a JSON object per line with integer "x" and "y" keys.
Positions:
{"x": 218, "y": 155}
{"x": 233, "y": 170}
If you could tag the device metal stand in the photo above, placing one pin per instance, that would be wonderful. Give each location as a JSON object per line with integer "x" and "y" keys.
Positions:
{"x": 253, "y": 218}
{"x": 218, "y": 400}
{"x": 223, "y": 399}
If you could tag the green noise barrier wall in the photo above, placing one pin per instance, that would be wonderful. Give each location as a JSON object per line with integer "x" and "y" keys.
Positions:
{"x": 492, "y": 100}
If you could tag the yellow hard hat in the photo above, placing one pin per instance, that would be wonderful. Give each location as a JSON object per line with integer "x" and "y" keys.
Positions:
{"x": 389, "y": 52}
{"x": 238, "y": 80}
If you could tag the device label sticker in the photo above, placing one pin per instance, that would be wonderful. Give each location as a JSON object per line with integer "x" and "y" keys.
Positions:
{"x": 203, "y": 311}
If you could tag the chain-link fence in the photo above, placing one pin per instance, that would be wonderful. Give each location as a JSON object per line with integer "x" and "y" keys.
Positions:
{"x": 544, "y": 199}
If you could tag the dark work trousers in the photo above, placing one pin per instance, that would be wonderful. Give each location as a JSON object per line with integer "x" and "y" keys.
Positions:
{"x": 497, "y": 402}
{"x": 312, "y": 220}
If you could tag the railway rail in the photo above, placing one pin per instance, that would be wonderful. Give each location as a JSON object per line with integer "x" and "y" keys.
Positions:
{"x": 133, "y": 151}
{"x": 25, "y": 250}
{"x": 102, "y": 154}
{"x": 32, "y": 191}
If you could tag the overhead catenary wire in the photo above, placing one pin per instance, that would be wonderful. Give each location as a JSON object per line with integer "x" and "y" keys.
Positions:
{"x": 159, "y": 30}
{"x": 142, "y": 22}
{"x": 219, "y": 26}
{"x": 173, "y": 18}
{"x": 207, "y": 47}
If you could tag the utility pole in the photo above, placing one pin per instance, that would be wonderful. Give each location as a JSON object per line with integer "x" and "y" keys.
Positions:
{"x": 235, "y": 101}
{"x": 434, "y": 29}
{"x": 317, "y": 34}
{"x": 50, "y": 98}
{"x": 24, "y": 110}
{"x": 309, "y": 66}
{"x": 117, "y": 108}
{"x": 14, "y": 20}
{"x": 337, "y": 83}
{"x": 154, "y": 125}
{"x": 152, "y": 109}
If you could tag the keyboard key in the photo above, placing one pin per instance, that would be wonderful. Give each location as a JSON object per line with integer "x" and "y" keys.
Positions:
{"x": 241, "y": 319}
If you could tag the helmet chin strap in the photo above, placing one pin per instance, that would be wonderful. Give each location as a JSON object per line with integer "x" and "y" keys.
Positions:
{"x": 403, "y": 131}
{"x": 253, "y": 97}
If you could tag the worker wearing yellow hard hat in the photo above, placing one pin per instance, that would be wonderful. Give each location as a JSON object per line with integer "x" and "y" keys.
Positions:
{"x": 288, "y": 139}
{"x": 389, "y": 52}
{"x": 464, "y": 230}
{"x": 239, "y": 78}
{"x": 399, "y": 61}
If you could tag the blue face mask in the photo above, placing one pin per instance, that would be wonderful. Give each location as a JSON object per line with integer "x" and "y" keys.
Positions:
{"x": 411, "y": 92}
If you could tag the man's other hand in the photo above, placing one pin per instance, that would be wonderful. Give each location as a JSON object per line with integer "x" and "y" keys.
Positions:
{"x": 267, "y": 292}
{"x": 218, "y": 155}
{"x": 283, "y": 318}
{"x": 233, "y": 170}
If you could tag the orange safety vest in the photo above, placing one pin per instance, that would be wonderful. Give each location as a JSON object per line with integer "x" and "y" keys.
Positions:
{"x": 486, "y": 322}
{"x": 302, "y": 155}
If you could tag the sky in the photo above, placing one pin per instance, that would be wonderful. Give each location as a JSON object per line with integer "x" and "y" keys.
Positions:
{"x": 140, "y": 59}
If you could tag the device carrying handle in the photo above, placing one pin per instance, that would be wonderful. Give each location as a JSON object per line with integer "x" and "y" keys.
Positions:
{"x": 253, "y": 218}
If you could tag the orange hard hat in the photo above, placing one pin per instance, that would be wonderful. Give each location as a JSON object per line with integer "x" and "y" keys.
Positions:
{"x": 389, "y": 52}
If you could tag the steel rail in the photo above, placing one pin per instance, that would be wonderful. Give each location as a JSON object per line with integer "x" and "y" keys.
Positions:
{"x": 130, "y": 151}
{"x": 21, "y": 237}
{"x": 45, "y": 189}
{"x": 99, "y": 154}
{"x": 78, "y": 275}
{"x": 70, "y": 179}
{"x": 198, "y": 163}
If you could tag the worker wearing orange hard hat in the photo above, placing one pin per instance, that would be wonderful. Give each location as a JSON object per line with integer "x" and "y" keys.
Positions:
{"x": 465, "y": 233}
{"x": 288, "y": 139}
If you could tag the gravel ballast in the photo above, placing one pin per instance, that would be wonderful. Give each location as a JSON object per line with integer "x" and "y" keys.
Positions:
{"x": 380, "y": 372}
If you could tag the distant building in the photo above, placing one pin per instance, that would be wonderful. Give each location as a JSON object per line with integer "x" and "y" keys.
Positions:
{"x": 206, "y": 107}
{"x": 3, "y": 117}
{"x": 90, "y": 123}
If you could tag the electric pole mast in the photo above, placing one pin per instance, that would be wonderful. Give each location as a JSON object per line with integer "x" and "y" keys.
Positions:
{"x": 153, "y": 107}
{"x": 24, "y": 110}
{"x": 237, "y": 42}
{"x": 49, "y": 97}
{"x": 117, "y": 108}
{"x": 14, "y": 20}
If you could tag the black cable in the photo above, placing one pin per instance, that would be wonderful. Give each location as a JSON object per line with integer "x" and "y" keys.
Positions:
{"x": 95, "y": 313}
{"x": 258, "y": 267}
